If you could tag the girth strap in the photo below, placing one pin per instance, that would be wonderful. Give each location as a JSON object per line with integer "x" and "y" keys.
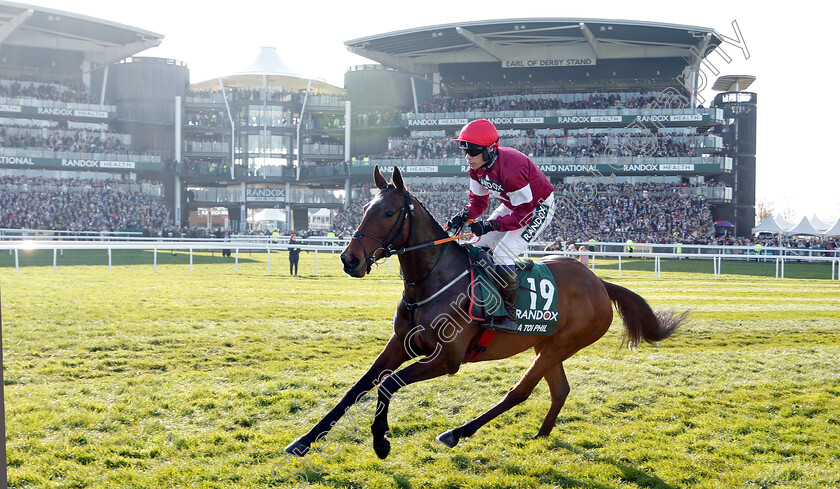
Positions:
{"x": 481, "y": 346}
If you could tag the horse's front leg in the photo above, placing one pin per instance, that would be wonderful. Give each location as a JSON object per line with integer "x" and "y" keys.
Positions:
{"x": 390, "y": 359}
{"x": 432, "y": 366}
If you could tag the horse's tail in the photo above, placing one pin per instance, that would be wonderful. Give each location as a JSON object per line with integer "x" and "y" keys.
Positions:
{"x": 640, "y": 321}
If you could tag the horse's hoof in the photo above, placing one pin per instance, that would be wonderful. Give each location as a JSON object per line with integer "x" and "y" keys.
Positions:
{"x": 297, "y": 448}
{"x": 448, "y": 438}
{"x": 382, "y": 447}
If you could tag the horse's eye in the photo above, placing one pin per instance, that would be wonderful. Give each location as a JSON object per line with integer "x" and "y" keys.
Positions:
{"x": 390, "y": 214}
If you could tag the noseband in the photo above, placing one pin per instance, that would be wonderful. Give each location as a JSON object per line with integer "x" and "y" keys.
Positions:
{"x": 387, "y": 244}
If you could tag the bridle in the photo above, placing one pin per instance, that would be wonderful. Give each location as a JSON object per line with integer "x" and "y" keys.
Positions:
{"x": 387, "y": 244}
{"x": 387, "y": 247}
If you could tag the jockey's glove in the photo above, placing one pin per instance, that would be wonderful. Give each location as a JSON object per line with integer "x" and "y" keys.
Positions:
{"x": 457, "y": 220}
{"x": 483, "y": 227}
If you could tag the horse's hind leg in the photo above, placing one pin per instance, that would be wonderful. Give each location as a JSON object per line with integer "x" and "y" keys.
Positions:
{"x": 544, "y": 361}
{"x": 558, "y": 385}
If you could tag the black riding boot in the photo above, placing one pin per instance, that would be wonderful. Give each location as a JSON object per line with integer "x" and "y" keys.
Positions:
{"x": 509, "y": 289}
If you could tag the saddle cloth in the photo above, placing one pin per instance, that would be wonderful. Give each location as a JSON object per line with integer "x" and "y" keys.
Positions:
{"x": 536, "y": 304}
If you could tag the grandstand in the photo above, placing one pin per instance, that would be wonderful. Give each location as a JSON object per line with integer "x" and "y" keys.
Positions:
{"x": 602, "y": 105}
{"x": 590, "y": 100}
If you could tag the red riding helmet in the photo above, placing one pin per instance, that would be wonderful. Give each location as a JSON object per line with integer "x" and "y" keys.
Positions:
{"x": 480, "y": 132}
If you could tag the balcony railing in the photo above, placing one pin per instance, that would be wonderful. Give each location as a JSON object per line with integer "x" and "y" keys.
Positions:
{"x": 722, "y": 162}
{"x": 713, "y": 113}
{"x": 39, "y": 153}
{"x": 55, "y": 104}
{"x": 323, "y": 149}
{"x": 150, "y": 189}
{"x": 297, "y": 196}
{"x": 208, "y": 147}
{"x": 714, "y": 194}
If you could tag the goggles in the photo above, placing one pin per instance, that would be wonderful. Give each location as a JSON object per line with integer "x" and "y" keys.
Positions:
{"x": 471, "y": 149}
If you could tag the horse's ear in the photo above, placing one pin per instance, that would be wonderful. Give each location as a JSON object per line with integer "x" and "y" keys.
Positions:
{"x": 378, "y": 179}
{"x": 397, "y": 179}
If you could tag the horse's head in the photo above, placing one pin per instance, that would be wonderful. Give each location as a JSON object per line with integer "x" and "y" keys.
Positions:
{"x": 386, "y": 222}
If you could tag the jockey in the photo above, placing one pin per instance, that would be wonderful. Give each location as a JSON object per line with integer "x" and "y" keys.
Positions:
{"x": 527, "y": 205}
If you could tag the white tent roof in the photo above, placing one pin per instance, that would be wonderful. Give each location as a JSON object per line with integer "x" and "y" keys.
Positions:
{"x": 268, "y": 215}
{"x": 322, "y": 212}
{"x": 784, "y": 223}
{"x": 769, "y": 225}
{"x": 270, "y": 70}
{"x": 819, "y": 224}
{"x": 804, "y": 228}
{"x": 833, "y": 230}
{"x": 268, "y": 62}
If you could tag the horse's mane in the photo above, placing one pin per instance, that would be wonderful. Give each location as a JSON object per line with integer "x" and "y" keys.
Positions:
{"x": 432, "y": 217}
{"x": 423, "y": 206}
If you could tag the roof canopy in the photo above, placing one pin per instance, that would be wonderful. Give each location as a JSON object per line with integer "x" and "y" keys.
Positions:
{"x": 733, "y": 83}
{"x": 804, "y": 228}
{"x": 833, "y": 230}
{"x": 269, "y": 70}
{"x": 769, "y": 225}
{"x": 819, "y": 223}
{"x": 101, "y": 41}
{"x": 422, "y": 50}
{"x": 268, "y": 63}
{"x": 268, "y": 215}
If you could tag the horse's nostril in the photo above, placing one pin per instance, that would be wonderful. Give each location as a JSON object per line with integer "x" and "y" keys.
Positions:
{"x": 350, "y": 260}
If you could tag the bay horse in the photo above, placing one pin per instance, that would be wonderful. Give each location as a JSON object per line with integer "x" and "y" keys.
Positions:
{"x": 432, "y": 324}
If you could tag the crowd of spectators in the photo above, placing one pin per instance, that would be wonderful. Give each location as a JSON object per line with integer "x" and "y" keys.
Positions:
{"x": 72, "y": 92}
{"x": 645, "y": 212}
{"x": 650, "y": 213}
{"x": 71, "y": 141}
{"x": 237, "y": 94}
{"x": 76, "y": 205}
{"x": 310, "y": 169}
{"x": 431, "y": 147}
{"x": 377, "y": 118}
{"x": 210, "y": 118}
{"x": 243, "y": 94}
{"x": 197, "y": 166}
{"x": 445, "y": 102}
{"x": 613, "y": 212}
